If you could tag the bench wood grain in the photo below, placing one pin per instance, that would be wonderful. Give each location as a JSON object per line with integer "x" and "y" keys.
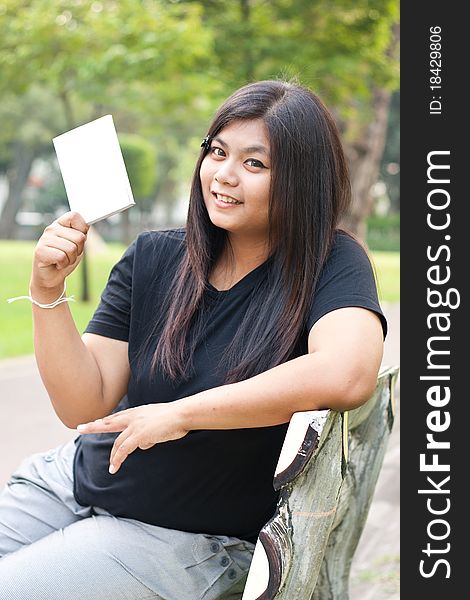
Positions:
{"x": 326, "y": 475}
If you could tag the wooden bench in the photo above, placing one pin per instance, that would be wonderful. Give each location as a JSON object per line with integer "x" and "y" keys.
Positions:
{"x": 326, "y": 474}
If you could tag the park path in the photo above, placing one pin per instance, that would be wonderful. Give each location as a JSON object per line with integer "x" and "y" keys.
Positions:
{"x": 375, "y": 572}
{"x": 29, "y": 425}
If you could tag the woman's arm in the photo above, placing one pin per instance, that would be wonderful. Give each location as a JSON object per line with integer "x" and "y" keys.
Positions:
{"x": 85, "y": 377}
{"x": 340, "y": 372}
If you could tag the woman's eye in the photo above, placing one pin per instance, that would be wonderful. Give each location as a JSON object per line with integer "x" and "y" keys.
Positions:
{"x": 252, "y": 162}
{"x": 217, "y": 151}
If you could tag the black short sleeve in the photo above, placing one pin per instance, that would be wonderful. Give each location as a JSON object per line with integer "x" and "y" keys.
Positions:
{"x": 347, "y": 280}
{"x": 112, "y": 317}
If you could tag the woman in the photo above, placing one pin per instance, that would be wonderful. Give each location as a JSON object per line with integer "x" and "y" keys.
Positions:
{"x": 206, "y": 341}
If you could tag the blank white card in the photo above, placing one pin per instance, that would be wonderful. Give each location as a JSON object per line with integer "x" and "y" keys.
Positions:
{"x": 93, "y": 170}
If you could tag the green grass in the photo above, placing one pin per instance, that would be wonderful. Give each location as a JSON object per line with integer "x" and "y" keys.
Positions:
{"x": 387, "y": 268}
{"x": 16, "y": 332}
{"x": 15, "y": 269}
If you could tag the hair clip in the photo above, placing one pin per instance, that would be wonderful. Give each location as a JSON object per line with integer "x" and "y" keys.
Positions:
{"x": 206, "y": 142}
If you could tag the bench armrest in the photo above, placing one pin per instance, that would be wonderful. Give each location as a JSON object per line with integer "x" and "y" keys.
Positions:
{"x": 326, "y": 475}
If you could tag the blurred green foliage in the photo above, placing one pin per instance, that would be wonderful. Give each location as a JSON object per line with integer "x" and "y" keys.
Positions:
{"x": 161, "y": 68}
{"x": 383, "y": 232}
{"x": 140, "y": 157}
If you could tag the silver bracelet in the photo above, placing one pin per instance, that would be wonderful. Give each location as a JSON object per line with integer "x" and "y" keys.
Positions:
{"x": 59, "y": 300}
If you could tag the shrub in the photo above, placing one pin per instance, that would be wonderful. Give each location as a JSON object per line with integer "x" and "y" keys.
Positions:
{"x": 383, "y": 232}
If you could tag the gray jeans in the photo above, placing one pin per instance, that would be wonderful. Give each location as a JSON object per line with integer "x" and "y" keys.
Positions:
{"x": 53, "y": 548}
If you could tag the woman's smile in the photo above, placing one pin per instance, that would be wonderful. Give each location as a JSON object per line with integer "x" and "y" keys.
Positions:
{"x": 224, "y": 201}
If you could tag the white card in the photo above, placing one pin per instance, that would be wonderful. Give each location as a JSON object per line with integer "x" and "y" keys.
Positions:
{"x": 93, "y": 170}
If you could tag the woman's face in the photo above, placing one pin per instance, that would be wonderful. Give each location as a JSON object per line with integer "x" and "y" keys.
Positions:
{"x": 235, "y": 179}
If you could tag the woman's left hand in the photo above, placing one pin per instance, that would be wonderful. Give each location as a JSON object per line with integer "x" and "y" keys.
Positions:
{"x": 141, "y": 427}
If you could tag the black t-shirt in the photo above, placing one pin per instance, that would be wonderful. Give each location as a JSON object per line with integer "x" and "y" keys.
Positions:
{"x": 211, "y": 481}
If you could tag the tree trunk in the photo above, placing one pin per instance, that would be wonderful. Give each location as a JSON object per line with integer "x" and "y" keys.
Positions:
{"x": 365, "y": 155}
{"x": 71, "y": 123}
{"x": 364, "y": 162}
{"x": 17, "y": 176}
{"x": 85, "y": 279}
{"x": 126, "y": 233}
{"x": 167, "y": 192}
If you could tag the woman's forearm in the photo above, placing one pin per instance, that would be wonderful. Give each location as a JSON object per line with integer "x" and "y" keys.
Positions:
{"x": 340, "y": 377}
{"x": 68, "y": 369}
{"x": 309, "y": 382}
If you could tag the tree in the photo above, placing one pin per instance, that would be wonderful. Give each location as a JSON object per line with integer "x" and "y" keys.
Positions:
{"x": 366, "y": 150}
{"x": 90, "y": 55}
{"x": 390, "y": 163}
{"x": 344, "y": 50}
{"x": 29, "y": 121}
{"x": 163, "y": 67}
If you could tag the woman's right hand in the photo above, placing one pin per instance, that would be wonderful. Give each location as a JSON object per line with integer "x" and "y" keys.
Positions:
{"x": 58, "y": 251}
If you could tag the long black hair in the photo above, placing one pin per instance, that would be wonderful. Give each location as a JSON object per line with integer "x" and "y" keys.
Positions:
{"x": 309, "y": 192}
